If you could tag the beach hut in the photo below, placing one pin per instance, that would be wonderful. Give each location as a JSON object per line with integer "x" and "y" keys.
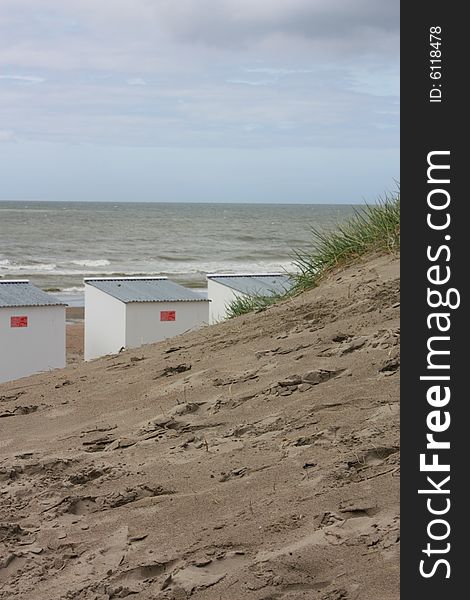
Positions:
{"x": 224, "y": 288}
{"x": 126, "y": 312}
{"x": 32, "y": 330}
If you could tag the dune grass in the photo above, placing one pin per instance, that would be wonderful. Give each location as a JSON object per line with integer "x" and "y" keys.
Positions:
{"x": 372, "y": 228}
{"x": 246, "y": 304}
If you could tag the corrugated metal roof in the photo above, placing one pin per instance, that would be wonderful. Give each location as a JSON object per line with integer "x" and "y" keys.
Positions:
{"x": 139, "y": 289}
{"x": 23, "y": 293}
{"x": 256, "y": 284}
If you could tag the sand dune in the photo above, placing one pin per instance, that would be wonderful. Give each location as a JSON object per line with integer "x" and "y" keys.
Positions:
{"x": 253, "y": 459}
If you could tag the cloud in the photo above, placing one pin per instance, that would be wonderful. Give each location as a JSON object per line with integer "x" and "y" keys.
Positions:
{"x": 238, "y": 22}
{"x": 136, "y": 81}
{"x": 23, "y": 78}
{"x": 211, "y": 113}
{"x": 251, "y": 82}
{"x": 6, "y": 136}
{"x": 150, "y": 33}
{"x": 222, "y": 79}
{"x": 233, "y": 73}
{"x": 277, "y": 71}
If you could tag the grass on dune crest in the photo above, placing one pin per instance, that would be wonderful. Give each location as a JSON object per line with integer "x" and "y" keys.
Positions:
{"x": 372, "y": 228}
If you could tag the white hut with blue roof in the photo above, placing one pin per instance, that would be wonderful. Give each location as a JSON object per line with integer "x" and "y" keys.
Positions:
{"x": 224, "y": 288}
{"x": 32, "y": 330}
{"x": 127, "y": 312}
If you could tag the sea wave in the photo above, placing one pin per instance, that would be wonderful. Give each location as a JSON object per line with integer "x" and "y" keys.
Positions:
{"x": 151, "y": 266}
{"x": 227, "y": 266}
{"x": 176, "y": 258}
{"x": 91, "y": 263}
{"x": 6, "y": 265}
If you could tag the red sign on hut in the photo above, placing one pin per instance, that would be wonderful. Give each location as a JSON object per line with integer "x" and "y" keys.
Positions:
{"x": 19, "y": 321}
{"x": 167, "y": 315}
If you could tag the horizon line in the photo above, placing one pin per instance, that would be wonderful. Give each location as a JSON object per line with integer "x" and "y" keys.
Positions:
{"x": 185, "y": 202}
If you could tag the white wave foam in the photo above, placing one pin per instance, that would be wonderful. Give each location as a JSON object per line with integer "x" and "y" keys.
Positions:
{"x": 225, "y": 266}
{"x": 162, "y": 267}
{"x": 7, "y": 266}
{"x": 73, "y": 290}
{"x": 91, "y": 263}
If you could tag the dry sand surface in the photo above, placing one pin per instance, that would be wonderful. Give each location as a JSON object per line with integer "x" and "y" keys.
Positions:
{"x": 255, "y": 459}
{"x": 74, "y": 338}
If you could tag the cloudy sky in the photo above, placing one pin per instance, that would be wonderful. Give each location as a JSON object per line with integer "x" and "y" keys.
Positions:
{"x": 199, "y": 100}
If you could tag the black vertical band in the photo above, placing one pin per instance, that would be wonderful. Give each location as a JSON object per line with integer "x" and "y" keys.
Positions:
{"x": 435, "y": 352}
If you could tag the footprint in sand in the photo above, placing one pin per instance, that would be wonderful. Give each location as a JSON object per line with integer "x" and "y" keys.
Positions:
{"x": 203, "y": 574}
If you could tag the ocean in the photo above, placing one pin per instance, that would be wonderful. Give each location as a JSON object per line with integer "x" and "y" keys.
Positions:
{"x": 56, "y": 244}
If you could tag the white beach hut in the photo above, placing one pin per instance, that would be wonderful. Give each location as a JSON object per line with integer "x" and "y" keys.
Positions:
{"x": 224, "y": 288}
{"x": 127, "y": 312}
{"x": 32, "y": 330}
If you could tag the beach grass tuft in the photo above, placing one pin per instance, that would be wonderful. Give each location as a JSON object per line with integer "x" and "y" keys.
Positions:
{"x": 247, "y": 304}
{"x": 372, "y": 228}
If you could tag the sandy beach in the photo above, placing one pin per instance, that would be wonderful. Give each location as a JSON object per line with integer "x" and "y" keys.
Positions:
{"x": 255, "y": 459}
{"x": 74, "y": 334}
